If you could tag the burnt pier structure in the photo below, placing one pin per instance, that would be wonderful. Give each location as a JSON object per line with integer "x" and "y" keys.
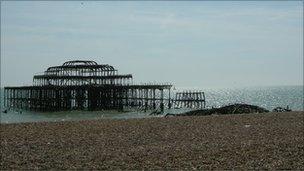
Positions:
{"x": 86, "y": 85}
{"x": 189, "y": 99}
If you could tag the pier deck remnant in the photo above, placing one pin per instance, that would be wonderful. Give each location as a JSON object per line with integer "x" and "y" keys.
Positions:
{"x": 190, "y": 99}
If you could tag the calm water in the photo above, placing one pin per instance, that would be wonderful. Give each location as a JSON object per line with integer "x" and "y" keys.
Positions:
{"x": 267, "y": 97}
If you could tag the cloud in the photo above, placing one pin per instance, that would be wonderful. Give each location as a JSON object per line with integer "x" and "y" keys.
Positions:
{"x": 195, "y": 37}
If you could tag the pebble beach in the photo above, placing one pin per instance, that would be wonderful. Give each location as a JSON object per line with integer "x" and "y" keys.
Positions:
{"x": 240, "y": 141}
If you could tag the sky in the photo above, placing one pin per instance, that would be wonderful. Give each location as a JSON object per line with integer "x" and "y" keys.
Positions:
{"x": 189, "y": 44}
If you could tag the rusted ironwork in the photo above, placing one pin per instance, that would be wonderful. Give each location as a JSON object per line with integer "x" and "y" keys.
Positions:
{"x": 190, "y": 99}
{"x": 86, "y": 85}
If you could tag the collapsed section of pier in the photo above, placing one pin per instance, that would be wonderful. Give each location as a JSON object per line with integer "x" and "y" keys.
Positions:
{"x": 86, "y": 85}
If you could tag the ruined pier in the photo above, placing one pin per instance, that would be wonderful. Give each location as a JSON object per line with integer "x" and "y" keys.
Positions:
{"x": 190, "y": 99}
{"x": 86, "y": 85}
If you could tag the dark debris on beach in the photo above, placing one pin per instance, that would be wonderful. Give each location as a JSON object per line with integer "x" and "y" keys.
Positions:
{"x": 257, "y": 141}
{"x": 229, "y": 109}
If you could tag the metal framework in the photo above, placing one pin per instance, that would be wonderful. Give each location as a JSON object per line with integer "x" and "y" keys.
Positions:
{"x": 86, "y": 85}
{"x": 190, "y": 99}
{"x": 78, "y": 73}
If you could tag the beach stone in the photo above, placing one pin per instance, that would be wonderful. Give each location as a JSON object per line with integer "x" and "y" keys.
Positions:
{"x": 270, "y": 141}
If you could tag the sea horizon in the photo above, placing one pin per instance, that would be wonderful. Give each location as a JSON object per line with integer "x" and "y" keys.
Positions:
{"x": 198, "y": 87}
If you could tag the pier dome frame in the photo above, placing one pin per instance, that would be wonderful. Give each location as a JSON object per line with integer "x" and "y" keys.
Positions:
{"x": 81, "y": 73}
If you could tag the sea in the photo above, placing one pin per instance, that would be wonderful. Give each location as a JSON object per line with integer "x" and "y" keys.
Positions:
{"x": 267, "y": 97}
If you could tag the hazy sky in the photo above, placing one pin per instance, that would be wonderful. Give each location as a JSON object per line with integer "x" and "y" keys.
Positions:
{"x": 202, "y": 44}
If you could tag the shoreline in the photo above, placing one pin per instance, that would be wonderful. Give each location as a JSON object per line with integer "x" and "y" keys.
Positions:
{"x": 238, "y": 141}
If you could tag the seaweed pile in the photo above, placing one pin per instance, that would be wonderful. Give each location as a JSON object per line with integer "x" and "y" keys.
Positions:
{"x": 229, "y": 109}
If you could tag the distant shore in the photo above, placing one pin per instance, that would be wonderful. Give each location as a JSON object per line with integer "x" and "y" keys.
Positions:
{"x": 249, "y": 141}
